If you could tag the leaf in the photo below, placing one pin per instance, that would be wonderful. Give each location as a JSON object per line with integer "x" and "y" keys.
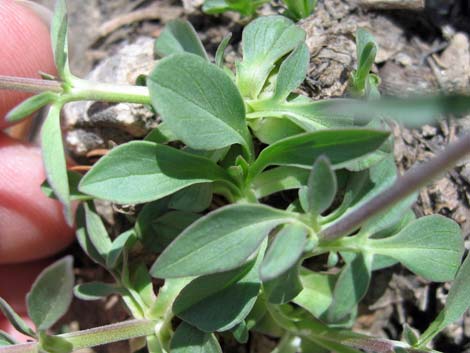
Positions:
{"x": 338, "y": 146}
{"x": 188, "y": 339}
{"x": 199, "y": 102}
{"x": 124, "y": 241}
{"x": 241, "y": 332}
{"x": 84, "y": 238}
{"x": 278, "y": 179}
{"x": 298, "y": 9}
{"x": 269, "y": 130}
{"x": 220, "y": 53}
{"x": 200, "y": 302}
{"x": 291, "y": 73}
{"x": 284, "y": 288}
{"x": 412, "y": 112}
{"x": 141, "y": 171}
{"x": 179, "y": 36}
{"x": 322, "y": 187}
{"x": 457, "y": 303}
{"x": 195, "y": 198}
{"x": 73, "y": 179}
{"x": 59, "y": 40}
{"x": 30, "y": 105}
{"x": 54, "y": 158}
{"x": 142, "y": 283}
{"x": 15, "y": 320}
{"x": 54, "y": 344}
{"x": 96, "y": 230}
{"x": 431, "y": 247}
{"x": 220, "y": 241}
{"x": 366, "y": 51}
{"x": 94, "y": 290}
{"x": 284, "y": 252}
{"x": 51, "y": 293}
{"x": 317, "y": 293}
{"x": 264, "y": 41}
{"x": 351, "y": 286}
{"x": 6, "y": 339}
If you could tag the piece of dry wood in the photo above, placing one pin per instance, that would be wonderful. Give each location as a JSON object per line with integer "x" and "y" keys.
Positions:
{"x": 393, "y": 4}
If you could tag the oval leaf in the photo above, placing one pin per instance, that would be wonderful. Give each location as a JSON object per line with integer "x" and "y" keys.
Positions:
{"x": 30, "y": 105}
{"x": 431, "y": 247}
{"x": 94, "y": 290}
{"x": 284, "y": 251}
{"x": 322, "y": 187}
{"x": 179, "y": 36}
{"x": 188, "y": 339}
{"x": 51, "y": 293}
{"x": 199, "y": 102}
{"x": 220, "y": 241}
{"x": 142, "y": 171}
{"x": 15, "y": 320}
{"x": 338, "y": 146}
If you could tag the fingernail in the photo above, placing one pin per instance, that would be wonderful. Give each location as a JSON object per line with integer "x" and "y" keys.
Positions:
{"x": 41, "y": 11}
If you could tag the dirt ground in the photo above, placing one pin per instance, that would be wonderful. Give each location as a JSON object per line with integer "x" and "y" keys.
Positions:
{"x": 420, "y": 51}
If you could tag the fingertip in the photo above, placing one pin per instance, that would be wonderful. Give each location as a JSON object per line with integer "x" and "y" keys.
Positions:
{"x": 32, "y": 226}
{"x": 25, "y": 50}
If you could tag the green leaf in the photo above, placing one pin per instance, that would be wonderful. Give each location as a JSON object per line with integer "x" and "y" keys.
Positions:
{"x": 351, "y": 286}
{"x": 195, "y": 198}
{"x": 265, "y": 41}
{"x": 284, "y": 288}
{"x": 54, "y": 344}
{"x": 241, "y": 332}
{"x": 30, "y": 105}
{"x": 291, "y": 73}
{"x": 6, "y": 339}
{"x": 200, "y": 302}
{"x": 304, "y": 112}
{"x": 142, "y": 283}
{"x": 412, "y": 112}
{"x": 84, "y": 238}
{"x": 94, "y": 290}
{"x": 317, "y": 293}
{"x": 179, "y": 36}
{"x": 278, "y": 179}
{"x": 15, "y": 320}
{"x": 322, "y": 187}
{"x": 284, "y": 252}
{"x": 73, "y": 179}
{"x": 161, "y": 134}
{"x": 96, "y": 230}
{"x": 199, "y": 102}
{"x": 457, "y": 303}
{"x": 59, "y": 40}
{"x": 188, "y": 339}
{"x": 269, "y": 130}
{"x": 51, "y": 293}
{"x": 141, "y": 171}
{"x": 220, "y": 241}
{"x": 338, "y": 146}
{"x": 366, "y": 50}
{"x": 298, "y": 9}
{"x": 219, "y": 54}
{"x": 123, "y": 242}
{"x": 431, "y": 247}
{"x": 54, "y": 158}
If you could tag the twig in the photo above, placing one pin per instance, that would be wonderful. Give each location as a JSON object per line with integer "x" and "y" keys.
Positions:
{"x": 404, "y": 186}
{"x": 33, "y": 85}
{"x": 393, "y": 4}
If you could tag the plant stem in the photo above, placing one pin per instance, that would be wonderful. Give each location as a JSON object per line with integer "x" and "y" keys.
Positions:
{"x": 32, "y": 85}
{"x": 106, "y": 92}
{"x": 109, "y": 333}
{"x": 404, "y": 186}
{"x": 20, "y": 348}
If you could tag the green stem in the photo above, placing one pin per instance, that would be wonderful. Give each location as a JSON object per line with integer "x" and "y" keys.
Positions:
{"x": 105, "y": 92}
{"x": 109, "y": 333}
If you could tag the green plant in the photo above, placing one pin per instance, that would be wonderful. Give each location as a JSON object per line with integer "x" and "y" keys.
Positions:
{"x": 244, "y": 137}
{"x": 296, "y": 9}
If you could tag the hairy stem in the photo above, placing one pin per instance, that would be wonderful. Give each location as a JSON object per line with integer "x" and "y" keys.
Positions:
{"x": 32, "y": 85}
{"x": 404, "y": 186}
{"x": 110, "y": 333}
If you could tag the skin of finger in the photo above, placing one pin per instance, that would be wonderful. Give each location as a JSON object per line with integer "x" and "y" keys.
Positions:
{"x": 25, "y": 50}
{"x": 32, "y": 225}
